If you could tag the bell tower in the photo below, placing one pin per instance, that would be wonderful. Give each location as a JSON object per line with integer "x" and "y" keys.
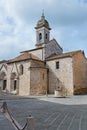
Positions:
{"x": 42, "y": 31}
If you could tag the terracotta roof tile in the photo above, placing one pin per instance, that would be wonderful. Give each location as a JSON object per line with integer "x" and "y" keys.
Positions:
{"x": 32, "y": 50}
{"x": 3, "y": 61}
{"x": 24, "y": 56}
{"x": 68, "y": 54}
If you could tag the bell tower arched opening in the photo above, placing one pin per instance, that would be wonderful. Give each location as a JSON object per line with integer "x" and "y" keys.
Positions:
{"x": 42, "y": 31}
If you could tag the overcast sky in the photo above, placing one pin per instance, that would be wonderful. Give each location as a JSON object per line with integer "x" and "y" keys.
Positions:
{"x": 67, "y": 18}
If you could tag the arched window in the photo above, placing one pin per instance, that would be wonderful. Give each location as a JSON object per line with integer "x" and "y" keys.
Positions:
{"x": 3, "y": 80}
{"x": 15, "y": 84}
{"x": 40, "y": 36}
{"x": 4, "y": 84}
{"x": 46, "y": 36}
{"x": 21, "y": 69}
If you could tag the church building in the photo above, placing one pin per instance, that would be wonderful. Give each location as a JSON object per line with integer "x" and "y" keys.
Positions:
{"x": 45, "y": 69}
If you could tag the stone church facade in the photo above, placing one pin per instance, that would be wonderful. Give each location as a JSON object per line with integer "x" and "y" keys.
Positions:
{"x": 45, "y": 69}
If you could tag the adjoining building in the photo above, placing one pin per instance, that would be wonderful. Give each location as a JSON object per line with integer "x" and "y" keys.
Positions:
{"x": 45, "y": 69}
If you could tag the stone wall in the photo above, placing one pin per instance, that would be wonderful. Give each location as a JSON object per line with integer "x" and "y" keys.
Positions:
{"x": 62, "y": 77}
{"x": 38, "y": 53}
{"x": 80, "y": 73}
{"x": 38, "y": 81}
{"x": 36, "y": 63}
{"x": 23, "y": 80}
{"x": 33, "y": 70}
{"x": 32, "y": 81}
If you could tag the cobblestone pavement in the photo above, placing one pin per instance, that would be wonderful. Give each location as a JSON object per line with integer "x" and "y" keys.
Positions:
{"x": 49, "y": 114}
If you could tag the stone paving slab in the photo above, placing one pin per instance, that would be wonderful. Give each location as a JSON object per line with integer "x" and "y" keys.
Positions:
{"x": 68, "y": 100}
{"x": 50, "y": 113}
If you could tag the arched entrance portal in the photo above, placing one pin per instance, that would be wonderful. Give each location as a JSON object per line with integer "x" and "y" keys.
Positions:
{"x": 14, "y": 83}
{"x": 3, "y": 81}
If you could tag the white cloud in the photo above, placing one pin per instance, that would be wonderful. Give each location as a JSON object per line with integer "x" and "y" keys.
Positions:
{"x": 19, "y": 17}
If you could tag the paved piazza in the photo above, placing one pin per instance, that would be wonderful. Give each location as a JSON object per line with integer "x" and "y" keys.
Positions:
{"x": 50, "y": 113}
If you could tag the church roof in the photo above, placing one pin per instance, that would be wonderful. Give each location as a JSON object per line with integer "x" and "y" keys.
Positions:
{"x": 64, "y": 55}
{"x": 42, "y": 23}
{"x": 52, "y": 42}
{"x": 51, "y": 46}
{"x": 3, "y": 61}
{"x": 48, "y": 46}
{"x": 32, "y": 50}
{"x": 24, "y": 56}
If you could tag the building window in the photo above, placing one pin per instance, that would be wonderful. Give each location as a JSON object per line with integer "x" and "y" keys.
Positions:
{"x": 15, "y": 84}
{"x": 57, "y": 65}
{"x": 46, "y": 35}
{"x": 21, "y": 69}
{"x": 4, "y": 84}
{"x": 40, "y": 36}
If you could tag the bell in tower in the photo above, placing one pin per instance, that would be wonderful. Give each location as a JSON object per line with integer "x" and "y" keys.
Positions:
{"x": 42, "y": 31}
